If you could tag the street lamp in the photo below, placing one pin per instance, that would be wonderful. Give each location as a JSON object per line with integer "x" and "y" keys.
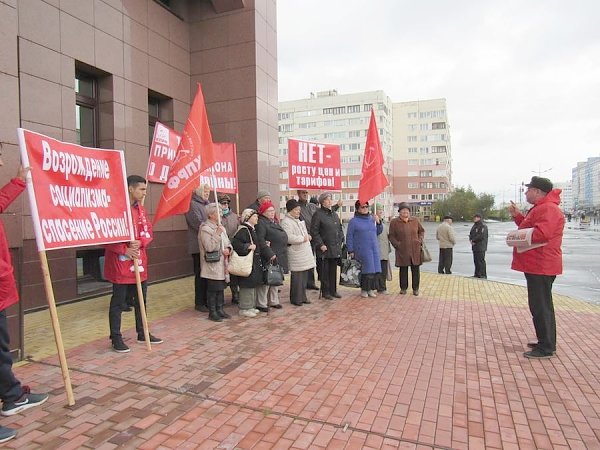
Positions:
{"x": 540, "y": 171}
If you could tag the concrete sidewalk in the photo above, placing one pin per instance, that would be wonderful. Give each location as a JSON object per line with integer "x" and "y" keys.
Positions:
{"x": 442, "y": 370}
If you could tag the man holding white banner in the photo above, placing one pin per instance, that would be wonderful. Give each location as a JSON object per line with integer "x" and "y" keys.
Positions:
{"x": 15, "y": 397}
{"x": 119, "y": 267}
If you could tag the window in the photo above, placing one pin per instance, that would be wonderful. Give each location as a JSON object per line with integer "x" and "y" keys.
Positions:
{"x": 336, "y": 110}
{"x": 438, "y": 126}
{"x": 412, "y": 115}
{"x": 284, "y": 116}
{"x": 286, "y": 128}
{"x": 367, "y": 106}
{"x": 412, "y": 149}
{"x": 354, "y": 133}
{"x": 413, "y": 185}
{"x": 307, "y": 125}
{"x": 413, "y": 173}
{"x": 412, "y": 127}
{"x": 86, "y": 109}
{"x": 411, "y": 138}
{"x": 438, "y": 149}
{"x": 424, "y": 127}
{"x": 425, "y": 173}
{"x": 354, "y": 108}
{"x": 413, "y": 162}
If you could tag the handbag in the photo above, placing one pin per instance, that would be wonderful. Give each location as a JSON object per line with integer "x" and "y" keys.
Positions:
{"x": 425, "y": 255}
{"x": 350, "y": 273}
{"x": 241, "y": 265}
{"x": 212, "y": 256}
{"x": 274, "y": 275}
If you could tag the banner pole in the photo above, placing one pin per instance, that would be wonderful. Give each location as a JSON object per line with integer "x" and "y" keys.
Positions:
{"x": 140, "y": 292}
{"x": 56, "y": 327}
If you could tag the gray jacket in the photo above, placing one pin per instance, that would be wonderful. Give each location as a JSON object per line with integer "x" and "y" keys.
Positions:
{"x": 195, "y": 217}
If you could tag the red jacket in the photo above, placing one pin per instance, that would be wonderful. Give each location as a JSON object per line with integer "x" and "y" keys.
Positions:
{"x": 8, "y": 287}
{"x": 548, "y": 222}
{"x": 117, "y": 268}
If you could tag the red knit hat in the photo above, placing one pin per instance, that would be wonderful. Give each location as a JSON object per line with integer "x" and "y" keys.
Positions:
{"x": 264, "y": 206}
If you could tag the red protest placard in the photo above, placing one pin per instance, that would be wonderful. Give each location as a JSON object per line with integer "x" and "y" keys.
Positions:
{"x": 222, "y": 176}
{"x": 162, "y": 153}
{"x": 78, "y": 195}
{"x": 314, "y": 166}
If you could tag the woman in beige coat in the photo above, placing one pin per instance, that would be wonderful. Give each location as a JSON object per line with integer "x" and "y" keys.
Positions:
{"x": 406, "y": 235}
{"x": 300, "y": 256}
{"x": 213, "y": 237}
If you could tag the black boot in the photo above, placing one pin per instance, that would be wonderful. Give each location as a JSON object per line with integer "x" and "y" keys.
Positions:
{"x": 220, "y": 305}
{"x": 235, "y": 295}
{"x": 212, "y": 307}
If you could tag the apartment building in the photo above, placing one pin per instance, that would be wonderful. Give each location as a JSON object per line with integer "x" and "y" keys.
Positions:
{"x": 421, "y": 153}
{"x": 586, "y": 186}
{"x": 332, "y": 118}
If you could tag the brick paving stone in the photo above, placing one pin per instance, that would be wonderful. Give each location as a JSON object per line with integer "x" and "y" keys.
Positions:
{"x": 369, "y": 365}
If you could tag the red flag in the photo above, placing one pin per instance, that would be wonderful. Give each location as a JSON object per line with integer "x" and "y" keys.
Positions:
{"x": 372, "y": 181}
{"x": 194, "y": 155}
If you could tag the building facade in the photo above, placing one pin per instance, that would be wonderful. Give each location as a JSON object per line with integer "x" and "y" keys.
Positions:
{"x": 586, "y": 186}
{"x": 422, "y": 154}
{"x": 100, "y": 73}
{"x": 566, "y": 195}
{"x": 331, "y": 118}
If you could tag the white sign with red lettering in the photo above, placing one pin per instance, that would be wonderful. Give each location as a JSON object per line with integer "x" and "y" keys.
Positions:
{"x": 162, "y": 153}
{"x": 78, "y": 195}
{"x": 314, "y": 166}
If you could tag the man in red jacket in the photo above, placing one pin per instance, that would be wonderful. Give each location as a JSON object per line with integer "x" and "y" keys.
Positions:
{"x": 15, "y": 397}
{"x": 541, "y": 263}
{"x": 119, "y": 267}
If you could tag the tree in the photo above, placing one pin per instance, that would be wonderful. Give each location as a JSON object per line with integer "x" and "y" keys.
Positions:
{"x": 463, "y": 203}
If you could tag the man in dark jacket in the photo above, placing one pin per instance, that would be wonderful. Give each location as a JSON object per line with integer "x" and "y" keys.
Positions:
{"x": 327, "y": 234}
{"x": 15, "y": 397}
{"x": 542, "y": 261}
{"x": 479, "y": 240}
{"x": 195, "y": 217}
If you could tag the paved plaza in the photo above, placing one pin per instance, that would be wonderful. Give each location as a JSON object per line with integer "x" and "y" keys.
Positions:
{"x": 442, "y": 370}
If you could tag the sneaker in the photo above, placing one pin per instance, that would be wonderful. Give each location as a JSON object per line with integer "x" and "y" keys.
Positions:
{"x": 247, "y": 313}
{"x": 403, "y": 291}
{"x": 119, "y": 346}
{"x": 416, "y": 292}
{"x": 26, "y": 401}
{"x": 364, "y": 294}
{"x": 277, "y": 306}
{"x": 262, "y": 309}
{"x": 254, "y": 310}
{"x": 6, "y": 434}
{"x": 383, "y": 292}
{"x": 372, "y": 294}
{"x": 153, "y": 339}
{"x": 536, "y": 353}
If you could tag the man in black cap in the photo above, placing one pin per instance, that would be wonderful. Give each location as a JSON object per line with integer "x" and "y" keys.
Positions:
{"x": 542, "y": 261}
{"x": 447, "y": 239}
{"x": 479, "y": 240}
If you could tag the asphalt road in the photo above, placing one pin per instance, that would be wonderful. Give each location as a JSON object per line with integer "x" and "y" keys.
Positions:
{"x": 581, "y": 258}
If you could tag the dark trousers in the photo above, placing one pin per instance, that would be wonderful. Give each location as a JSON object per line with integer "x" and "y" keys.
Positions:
{"x": 479, "y": 260}
{"x": 328, "y": 275}
{"x": 368, "y": 281}
{"x": 416, "y": 277}
{"x": 121, "y": 292}
{"x": 200, "y": 287}
{"x": 10, "y": 387}
{"x": 539, "y": 294}
{"x": 445, "y": 262}
{"x": 382, "y": 277}
{"x": 298, "y": 282}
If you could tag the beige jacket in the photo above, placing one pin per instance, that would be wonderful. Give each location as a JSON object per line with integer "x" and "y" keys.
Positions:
{"x": 445, "y": 234}
{"x": 209, "y": 241}
{"x": 300, "y": 256}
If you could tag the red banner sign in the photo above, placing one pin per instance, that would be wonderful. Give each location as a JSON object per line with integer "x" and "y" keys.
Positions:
{"x": 314, "y": 166}
{"x": 223, "y": 174}
{"x": 78, "y": 195}
{"x": 162, "y": 153}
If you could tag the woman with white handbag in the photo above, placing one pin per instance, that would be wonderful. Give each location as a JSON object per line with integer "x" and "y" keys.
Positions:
{"x": 244, "y": 242}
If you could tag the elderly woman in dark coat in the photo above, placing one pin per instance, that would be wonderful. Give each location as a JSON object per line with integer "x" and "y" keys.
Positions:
{"x": 406, "y": 235}
{"x": 328, "y": 237}
{"x": 361, "y": 239}
{"x": 273, "y": 241}
{"x": 243, "y": 241}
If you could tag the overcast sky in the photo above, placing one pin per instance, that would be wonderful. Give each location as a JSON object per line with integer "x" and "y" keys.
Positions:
{"x": 521, "y": 77}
